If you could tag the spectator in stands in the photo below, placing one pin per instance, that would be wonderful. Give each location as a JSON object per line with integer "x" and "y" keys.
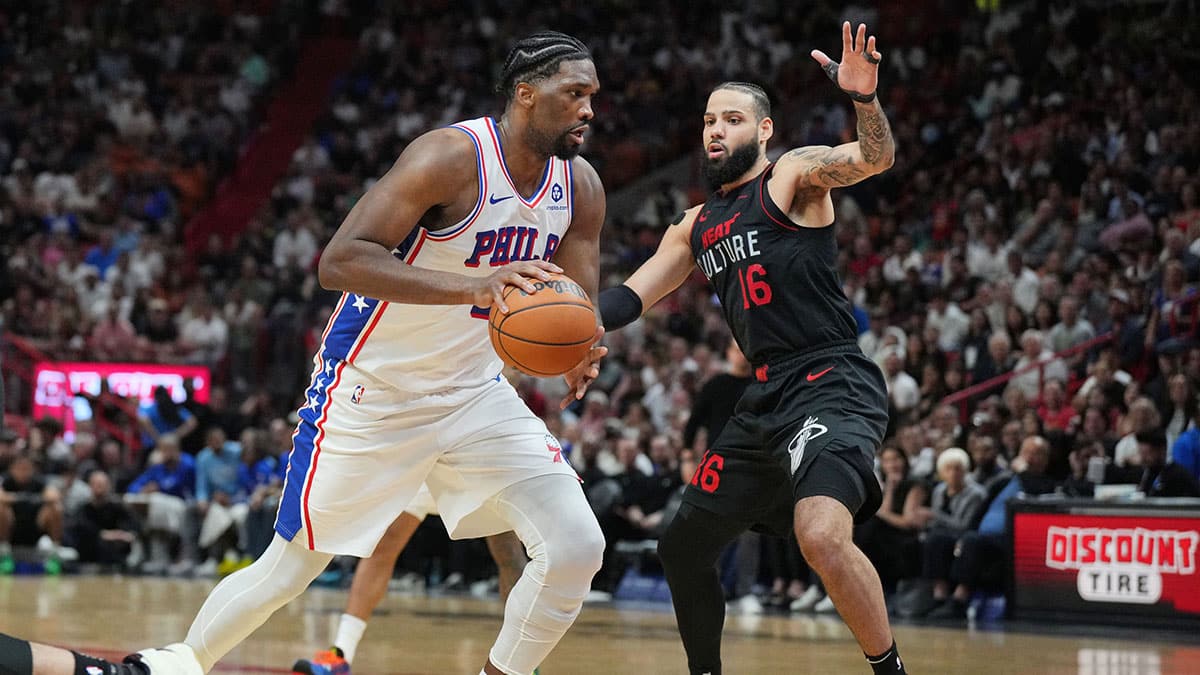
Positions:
{"x": 1094, "y": 428}
{"x": 204, "y": 337}
{"x": 1070, "y": 331}
{"x": 1142, "y": 418}
{"x": 1082, "y": 482}
{"x": 1160, "y": 478}
{"x": 1055, "y": 412}
{"x": 991, "y": 470}
{"x": 261, "y": 475}
{"x": 890, "y": 537}
{"x": 920, "y": 455}
{"x": 1033, "y": 352}
{"x": 167, "y": 488}
{"x": 104, "y": 530}
{"x": 31, "y": 513}
{"x": 220, "y": 503}
{"x": 980, "y": 557}
{"x": 955, "y": 509}
{"x": 903, "y": 390}
{"x": 162, "y": 416}
{"x": 1180, "y": 409}
{"x": 996, "y": 361}
{"x": 949, "y": 320}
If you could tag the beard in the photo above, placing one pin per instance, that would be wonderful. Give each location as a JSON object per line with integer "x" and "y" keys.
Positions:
{"x": 730, "y": 167}
{"x": 547, "y": 143}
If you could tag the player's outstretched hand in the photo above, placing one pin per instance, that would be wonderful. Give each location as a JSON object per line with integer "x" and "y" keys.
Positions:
{"x": 489, "y": 290}
{"x": 858, "y": 73}
{"x": 582, "y": 375}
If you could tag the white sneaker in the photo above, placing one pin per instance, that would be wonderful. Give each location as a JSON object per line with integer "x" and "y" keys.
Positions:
{"x": 747, "y": 604}
{"x": 206, "y": 569}
{"x": 597, "y": 596}
{"x": 825, "y": 606}
{"x": 176, "y": 659}
{"x": 812, "y": 595}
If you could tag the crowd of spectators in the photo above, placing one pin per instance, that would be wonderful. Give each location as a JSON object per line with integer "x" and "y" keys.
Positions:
{"x": 1042, "y": 221}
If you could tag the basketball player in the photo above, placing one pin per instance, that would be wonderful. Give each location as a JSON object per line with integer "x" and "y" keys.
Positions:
{"x": 371, "y": 582}
{"x": 406, "y": 387}
{"x": 800, "y": 448}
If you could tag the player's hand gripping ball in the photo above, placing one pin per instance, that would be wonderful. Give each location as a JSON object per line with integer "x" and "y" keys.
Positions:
{"x": 547, "y": 332}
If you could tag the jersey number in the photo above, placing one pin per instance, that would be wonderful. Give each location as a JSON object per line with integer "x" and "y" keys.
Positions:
{"x": 755, "y": 289}
{"x": 708, "y": 476}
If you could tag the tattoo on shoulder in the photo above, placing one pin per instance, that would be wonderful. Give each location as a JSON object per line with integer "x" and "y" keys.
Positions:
{"x": 679, "y": 218}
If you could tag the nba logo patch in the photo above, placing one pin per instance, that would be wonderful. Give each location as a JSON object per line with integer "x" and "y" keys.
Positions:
{"x": 357, "y": 396}
{"x": 555, "y": 449}
{"x": 556, "y": 193}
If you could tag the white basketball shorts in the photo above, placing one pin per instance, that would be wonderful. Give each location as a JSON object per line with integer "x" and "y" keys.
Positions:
{"x": 362, "y": 450}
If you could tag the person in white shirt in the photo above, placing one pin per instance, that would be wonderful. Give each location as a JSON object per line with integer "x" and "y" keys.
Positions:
{"x": 1024, "y": 282}
{"x": 902, "y": 259}
{"x": 1071, "y": 329}
{"x": 1033, "y": 351}
{"x": 902, "y": 387}
{"x": 950, "y": 321}
{"x": 988, "y": 259}
{"x": 295, "y": 246}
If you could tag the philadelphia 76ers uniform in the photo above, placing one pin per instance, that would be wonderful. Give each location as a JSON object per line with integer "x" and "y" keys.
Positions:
{"x": 404, "y": 394}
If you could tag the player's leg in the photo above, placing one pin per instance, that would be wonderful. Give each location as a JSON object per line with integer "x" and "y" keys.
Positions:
{"x": 828, "y": 495}
{"x": 509, "y": 553}
{"x": 241, "y": 603}
{"x": 20, "y": 657}
{"x": 551, "y": 516}
{"x": 689, "y": 549}
{"x": 368, "y": 589}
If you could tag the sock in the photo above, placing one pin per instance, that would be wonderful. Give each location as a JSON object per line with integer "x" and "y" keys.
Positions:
{"x": 349, "y": 633}
{"x": 888, "y": 662}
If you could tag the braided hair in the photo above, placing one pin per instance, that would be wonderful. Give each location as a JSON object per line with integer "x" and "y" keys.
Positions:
{"x": 762, "y": 103}
{"x": 537, "y": 57}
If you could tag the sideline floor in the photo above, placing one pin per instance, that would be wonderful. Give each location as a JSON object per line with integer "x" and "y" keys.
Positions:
{"x": 420, "y": 635}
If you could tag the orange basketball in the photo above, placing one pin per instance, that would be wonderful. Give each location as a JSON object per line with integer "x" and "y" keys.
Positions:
{"x": 547, "y": 332}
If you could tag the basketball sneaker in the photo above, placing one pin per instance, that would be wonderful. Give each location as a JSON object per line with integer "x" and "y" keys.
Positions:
{"x": 329, "y": 662}
{"x": 176, "y": 659}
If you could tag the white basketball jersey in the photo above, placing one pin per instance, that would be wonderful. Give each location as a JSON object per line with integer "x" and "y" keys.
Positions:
{"x": 427, "y": 348}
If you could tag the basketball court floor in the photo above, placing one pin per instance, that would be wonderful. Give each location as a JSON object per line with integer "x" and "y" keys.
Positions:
{"x": 420, "y": 635}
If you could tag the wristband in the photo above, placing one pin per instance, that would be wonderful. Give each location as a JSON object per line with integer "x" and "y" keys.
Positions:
{"x": 831, "y": 69}
{"x": 619, "y": 307}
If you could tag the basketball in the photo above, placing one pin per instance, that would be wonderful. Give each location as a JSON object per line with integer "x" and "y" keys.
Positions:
{"x": 547, "y": 332}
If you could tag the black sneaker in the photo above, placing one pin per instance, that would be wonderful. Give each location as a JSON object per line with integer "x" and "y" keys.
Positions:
{"x": 952, "y": 608}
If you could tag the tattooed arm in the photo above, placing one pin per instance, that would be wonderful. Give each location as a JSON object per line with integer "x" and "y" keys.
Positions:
{"x": 822, "y": 167}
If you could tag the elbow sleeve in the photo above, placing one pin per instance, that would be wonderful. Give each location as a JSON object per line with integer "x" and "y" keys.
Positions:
{"x": 619, "y": 307}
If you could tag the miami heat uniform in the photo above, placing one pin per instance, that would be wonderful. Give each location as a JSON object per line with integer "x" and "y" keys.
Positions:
{"x": 405, "y": 394}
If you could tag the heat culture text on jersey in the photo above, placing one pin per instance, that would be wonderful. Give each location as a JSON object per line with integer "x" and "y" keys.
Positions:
{"x": 777, "y": 282}
{"x": 722, "y": 249}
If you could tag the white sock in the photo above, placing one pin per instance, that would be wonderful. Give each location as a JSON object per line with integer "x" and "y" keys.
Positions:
{"x": 349, "y": 632}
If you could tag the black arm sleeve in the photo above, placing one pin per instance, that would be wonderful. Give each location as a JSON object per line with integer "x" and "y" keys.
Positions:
{"x": 619, "y": 307}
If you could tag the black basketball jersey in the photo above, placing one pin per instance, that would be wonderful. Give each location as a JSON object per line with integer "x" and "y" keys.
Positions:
{"x": 777, "y": 281}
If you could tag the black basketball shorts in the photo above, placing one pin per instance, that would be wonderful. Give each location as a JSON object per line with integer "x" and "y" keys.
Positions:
{"x": 807, "y": 426}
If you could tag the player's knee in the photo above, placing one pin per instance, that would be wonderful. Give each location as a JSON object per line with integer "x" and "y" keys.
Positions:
{"x": 576, "y": 557}
{"x": 823, "y": 543}
{"x": 673, "y": 545}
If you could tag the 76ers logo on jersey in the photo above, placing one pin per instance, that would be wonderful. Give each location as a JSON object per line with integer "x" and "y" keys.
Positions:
{"x": 556, "y": 193}
{"x": 357, "y": 396}
{"x": 809, "y": 431}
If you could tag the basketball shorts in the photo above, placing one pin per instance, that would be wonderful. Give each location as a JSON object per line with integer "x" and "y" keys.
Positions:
{"x": 363, "y": 449}
{"x": 422, "y": 505}
{"x": 806, "y": 426}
